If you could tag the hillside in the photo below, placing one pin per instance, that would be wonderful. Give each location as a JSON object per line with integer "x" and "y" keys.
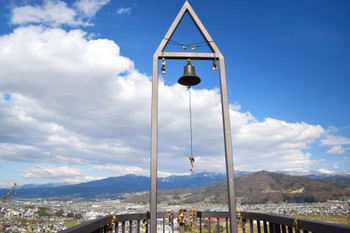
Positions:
{"x": 263, "y": 187}
{"x": 259, "y": 187}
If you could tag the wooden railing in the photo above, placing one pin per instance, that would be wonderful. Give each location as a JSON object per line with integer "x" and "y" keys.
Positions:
{"x": 268, "y": 223}
{"x": 210, "y": 221}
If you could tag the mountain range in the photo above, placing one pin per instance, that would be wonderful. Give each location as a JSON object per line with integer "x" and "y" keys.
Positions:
{"x": 121, "y": 184}
{"x": 195, "y": 182}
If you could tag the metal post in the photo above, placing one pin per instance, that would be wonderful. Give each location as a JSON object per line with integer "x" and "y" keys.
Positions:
{"x": 154, "y": 146}
{"x": 228, "y": 147}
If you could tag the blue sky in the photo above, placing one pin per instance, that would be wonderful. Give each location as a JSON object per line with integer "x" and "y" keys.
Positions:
{"x": 75, "y": 88}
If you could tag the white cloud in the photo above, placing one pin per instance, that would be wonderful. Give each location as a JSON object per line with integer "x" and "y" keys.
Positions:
{"x": 56, "y": 13}
{"x": 51, "y": 12}
{"x": 325, "y": 171}
{"x": 65, "y": 95}
{"x": 51, "y": 172}
{"x": 62, "y": 174}
{"x": 274, "y": 145}
{"x": 337, "y": 149}
{"x": 332, "y": 140}
{"x": 337, "y": 143}
{"x": 90, "y": 7}
{"x": 124, "y": 10}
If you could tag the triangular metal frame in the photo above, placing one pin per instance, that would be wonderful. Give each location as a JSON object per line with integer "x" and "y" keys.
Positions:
{"x": 215, "y": 55}
{"x": 186, "y": 8}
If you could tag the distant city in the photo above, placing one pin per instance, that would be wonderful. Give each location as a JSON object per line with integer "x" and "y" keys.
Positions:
{"x": 45, "y": 215}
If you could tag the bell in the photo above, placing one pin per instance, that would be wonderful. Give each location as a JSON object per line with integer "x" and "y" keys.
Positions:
{"x": 189, "y": 77}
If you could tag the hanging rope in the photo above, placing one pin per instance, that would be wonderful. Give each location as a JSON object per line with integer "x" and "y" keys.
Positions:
{"x": 190, "y": 109}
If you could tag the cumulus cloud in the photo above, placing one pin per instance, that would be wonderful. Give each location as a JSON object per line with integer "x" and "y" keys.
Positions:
{"x": 53, "y": 13}
{"x": 275, "y": 143}
{"x": 58, "y": 114}
{"x": 56, "y": 13}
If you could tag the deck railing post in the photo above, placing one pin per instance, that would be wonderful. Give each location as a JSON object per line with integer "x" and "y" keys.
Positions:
{"x": 265, "y": 227}
{"x": 271, "y": 227}
{"x": 218, "y": 220}
{"x": 209, "y": 225}
{"x": 123, "y": 227}
{"x": 251, "y": 225}
{"x": 182, "y": 229}
{"x": 258, "y": 226}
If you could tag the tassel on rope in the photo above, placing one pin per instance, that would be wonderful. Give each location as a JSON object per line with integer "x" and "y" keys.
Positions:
{"x": 192, "y": 163}
{"x": 190, "y": 108}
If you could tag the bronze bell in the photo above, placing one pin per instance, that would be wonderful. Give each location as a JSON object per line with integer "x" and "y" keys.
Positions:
{"x": 189, "y": 77}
